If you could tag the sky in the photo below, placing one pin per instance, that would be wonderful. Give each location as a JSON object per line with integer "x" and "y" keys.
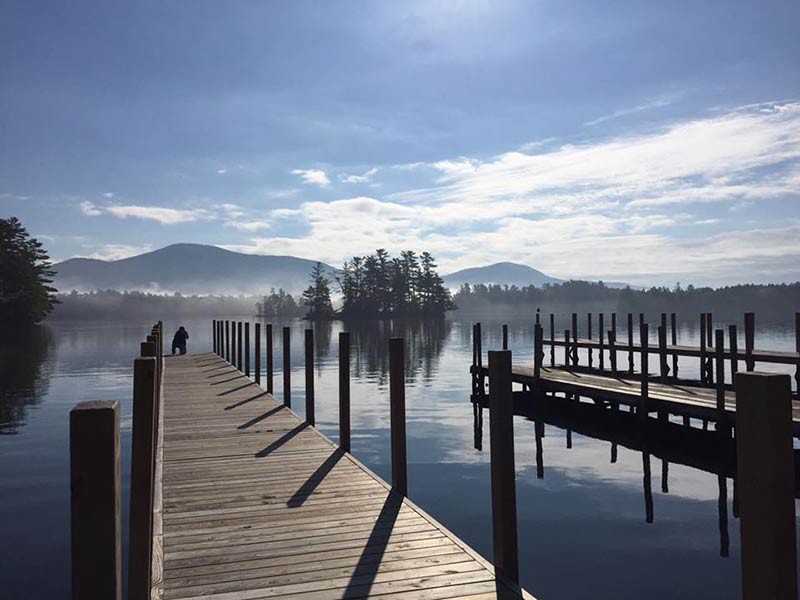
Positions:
{"x": 646, "y": 142}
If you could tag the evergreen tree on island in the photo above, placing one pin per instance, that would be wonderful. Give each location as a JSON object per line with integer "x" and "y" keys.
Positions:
{"x": 318, "y": 295}
{"x": 378, "y": 286}
{"x": 25, "y": 294}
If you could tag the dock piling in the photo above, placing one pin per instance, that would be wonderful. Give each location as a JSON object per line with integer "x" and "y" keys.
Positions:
{"x": 287, "y": 367}
{"x": 247, "y": 348}
{"x": 142, "y": 475}
{"x": 749, "y": 340}
{"x": 601, "y": 350}
{"x": 257, "y": 348}
{"x": 552, "y": 340}
{"x": 227, "y": 340}
{"x": 630, "y": 343}
{"x": 397, "y": 414}
{"x": 505, "y": 336}
{"x": 674, "y": 339}
{"x": 766, "y": 486}
{"x": 309, "y": 367}
{"x": 501, "y": 432}
{"x": 344, "y": 390}
{"x": 644, "y": 341}
{"x": 270, "y": 358}
{"x": 239, "y": 364}
{"x": 95, "y": 500}
{"x": 719, "y": 352}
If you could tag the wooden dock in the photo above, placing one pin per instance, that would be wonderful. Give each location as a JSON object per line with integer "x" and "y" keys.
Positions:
{"x": 258, "y": 504}
{"x": 609, "y": 377}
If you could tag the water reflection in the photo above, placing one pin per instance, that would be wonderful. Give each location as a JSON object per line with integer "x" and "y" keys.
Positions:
{"x": 669, "y": 441}
{"x": 425, "y": 340}
{"x": 24, "y": 374}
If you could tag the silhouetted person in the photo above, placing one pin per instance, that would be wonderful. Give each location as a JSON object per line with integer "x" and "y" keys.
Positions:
{"x": 179, "y": 341}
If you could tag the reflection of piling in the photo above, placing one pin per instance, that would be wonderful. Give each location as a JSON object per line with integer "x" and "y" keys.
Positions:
{"x": 648, "y": 487}
{"x": 724, "y": 539}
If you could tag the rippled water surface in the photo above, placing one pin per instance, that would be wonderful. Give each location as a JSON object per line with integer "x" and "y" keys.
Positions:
{"x": 583, "y": 529}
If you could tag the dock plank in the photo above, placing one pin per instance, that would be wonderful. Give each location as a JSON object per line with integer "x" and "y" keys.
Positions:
{"x": 256, "y": 504}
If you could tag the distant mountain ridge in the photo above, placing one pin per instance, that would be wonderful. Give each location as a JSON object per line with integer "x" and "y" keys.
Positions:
{"x": 503, "y": 273}
{"x": 509, "y": 273}
{"x": 188, "y": 269}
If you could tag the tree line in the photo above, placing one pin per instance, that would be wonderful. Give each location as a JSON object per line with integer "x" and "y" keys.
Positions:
{"x": 771, "y": 299}
{"x": 379, "y": 285}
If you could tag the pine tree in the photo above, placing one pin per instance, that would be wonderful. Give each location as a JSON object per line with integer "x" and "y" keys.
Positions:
{"x": 318, "y": 295}
{"x": 25, "y": 274}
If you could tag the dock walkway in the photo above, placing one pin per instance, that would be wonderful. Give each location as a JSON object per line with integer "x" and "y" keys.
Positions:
{"x": 258, "y": 504}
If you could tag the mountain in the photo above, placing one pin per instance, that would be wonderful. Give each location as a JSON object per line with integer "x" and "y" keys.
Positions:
{"x": 502, "y": 273}
{"x": 508, "y": 273}
{"x": 188, "y": 269}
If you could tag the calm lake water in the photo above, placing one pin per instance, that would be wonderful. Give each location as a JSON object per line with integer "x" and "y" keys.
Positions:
{"x": 582, "y": 526}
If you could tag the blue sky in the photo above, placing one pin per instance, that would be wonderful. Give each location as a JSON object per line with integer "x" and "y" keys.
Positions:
{"x": 638, "y": 141}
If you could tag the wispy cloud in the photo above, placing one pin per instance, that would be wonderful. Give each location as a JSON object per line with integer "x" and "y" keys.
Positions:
{"x": 164, "y": 216}
{"x": 249, "y": 225}
{"x": 614, "y": 201}
{"x": 358, "y": 178}
{"x": 313, "y": 176}
{"x": 659, "y": 102}
{"x": 89, "y": 209}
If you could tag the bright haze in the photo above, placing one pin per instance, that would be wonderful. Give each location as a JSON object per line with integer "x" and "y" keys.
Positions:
{"x": 645, "y": 142}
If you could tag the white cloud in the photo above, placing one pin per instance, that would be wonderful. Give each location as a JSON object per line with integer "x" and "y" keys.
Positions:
{"x": 222, "y": 171}
{"x": 358, "y": 178}
{"x": 89, "y": 209}
{"x": 315, "y": 176}
{"x": 164, "y": 216}
{"x": 248, "y": 225}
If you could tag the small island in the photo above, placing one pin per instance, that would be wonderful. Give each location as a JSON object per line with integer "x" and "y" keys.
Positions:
{"x": 379, "y": 286}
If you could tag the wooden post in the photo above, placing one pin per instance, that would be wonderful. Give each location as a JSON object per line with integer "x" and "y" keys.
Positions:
{"x": 703, "y": 370}
{"x": 733, "y": 343}
{"x": 142, "y": 477}
{"x": 228, "y": 341}
{"x": 552, "y": 340}
{"x": 674, "y": 331}
{"x": 214, "y": 336}
{"x": 600, "y": 340}
{"x": 94, "y": 450}
{"x": 247, "y": 348}
{"x": 709, "y": 341}
{"x": 287, "y": 367}
{"x": 479, "y": 342}
{"x": 233, "y": 344}
{"x": 749, "y": 340}
{"x": 504, "y": 497}
{"x": 505, "y": 336}
{"x": 612, "y": 350}
{"x": 719, "y": 351}
{"x": 766, "y": 486}
{"x": 630, "y": 343}
{"x": 239, "y": 361}
{"x": 344, "y": 390}
{"x": 662, "y": 351}
{"x": 575, "y": 339}
{"x": 566, "y": 349}
{"x": 589, "y": 336}
{"x": 397, "y": 414}
{"x": 310, "y": 416}
{"x": 797, "y": 349}
{"x": 270, "y": 365}
{"x": 644, "y": 342}
{"x": 257, "y": 357}
{"x": 538, "y": 355}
